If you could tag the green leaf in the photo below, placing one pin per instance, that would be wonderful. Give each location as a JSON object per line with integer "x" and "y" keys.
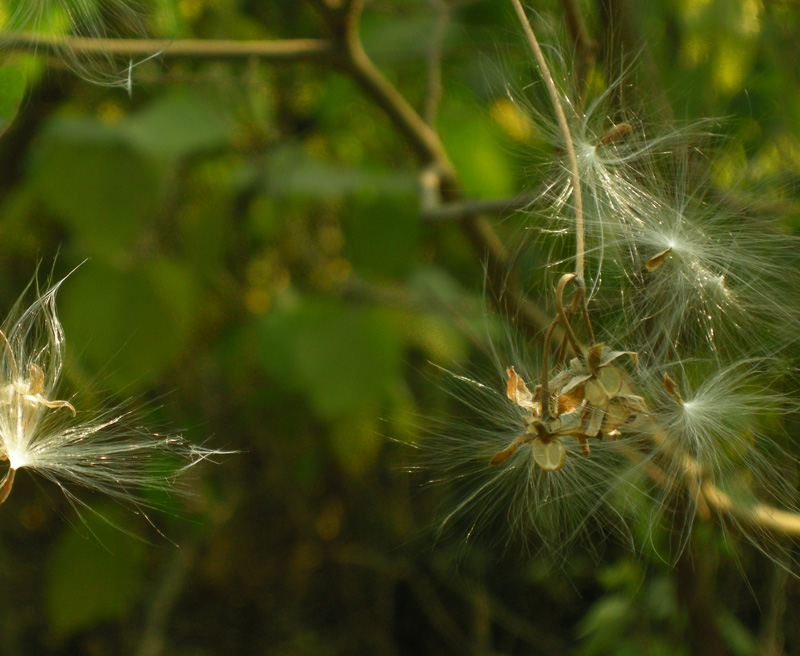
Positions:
{"x": 178, "y": 124}
{"x": 92, "y": 577}
{"x": 96, "y": 184}
{"x": 12, "y": 89}
{"x": 736, "y": 635}
{"x": 356, "y": 441}
{"x": 383, "y": 234}
{"x": 475, "y": 147}
{"x": 342, "y": 358}
{"x": 131, "y": 324}
{"x": 607, "y": 620}
{"x": 295, "y": 173}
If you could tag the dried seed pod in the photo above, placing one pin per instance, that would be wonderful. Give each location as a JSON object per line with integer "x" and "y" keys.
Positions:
{"x": 550, "y": 455}
{"x": 616, "y": 414}
{"x": 672, "y": 388}
{"x": 611, "y": 380}
{"x": 595, "y": 421}
{"x": 595, "y": 393}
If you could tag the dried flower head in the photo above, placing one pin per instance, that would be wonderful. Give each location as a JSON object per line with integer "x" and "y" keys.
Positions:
{"x": 509, "y": 483}
{"x": 104, "y": 451}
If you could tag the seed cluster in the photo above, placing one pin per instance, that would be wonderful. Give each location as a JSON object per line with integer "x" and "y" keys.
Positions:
{"x": 591, "y": 398}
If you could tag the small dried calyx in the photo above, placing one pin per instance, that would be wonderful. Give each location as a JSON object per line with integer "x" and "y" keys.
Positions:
{"x": 29, "y": 391}
{"x": 590, "y": 398}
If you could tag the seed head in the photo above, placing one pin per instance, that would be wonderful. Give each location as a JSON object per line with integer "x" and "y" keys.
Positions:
{"x": 106, "y": 451}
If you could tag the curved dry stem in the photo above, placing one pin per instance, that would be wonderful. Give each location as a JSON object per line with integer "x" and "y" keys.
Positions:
{"x": 761, "y": 515}
{"x": 433, "y": 94}
{"x": 564, "y": 126}
{"x": 546, "y": 370}
{"x": 562, "y": 351}
{"x": 562, "y": 315}
{"x": 428, "y": 147}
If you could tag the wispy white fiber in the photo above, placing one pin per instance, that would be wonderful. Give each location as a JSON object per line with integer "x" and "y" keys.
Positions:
{"x": 108, "y": 451}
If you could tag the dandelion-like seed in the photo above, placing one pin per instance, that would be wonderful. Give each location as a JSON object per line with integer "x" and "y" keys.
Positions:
{"x": 612, "y": 148}
{"x": 689, "y": 422}
{"x": 704, "y": 278}
{"x": 103, "y": 451}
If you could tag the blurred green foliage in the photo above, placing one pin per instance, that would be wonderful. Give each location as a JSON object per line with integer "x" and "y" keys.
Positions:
{"x": 255, "y": 267}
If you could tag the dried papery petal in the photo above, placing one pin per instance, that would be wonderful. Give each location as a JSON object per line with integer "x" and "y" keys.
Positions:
{"x": 568, "y": 402}
{"x": 500, "y": 457}
{"x": 549, "y": 456}
{"x": 595, "y": 421}
{"x": 518, "y": 392}
{"x": 611, "y": 380}
{"x": 655, "y": 262}
{"x": 595, "y": 393}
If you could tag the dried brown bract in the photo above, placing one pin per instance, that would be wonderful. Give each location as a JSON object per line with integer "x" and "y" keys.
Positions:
{"x": 590, "y": 398}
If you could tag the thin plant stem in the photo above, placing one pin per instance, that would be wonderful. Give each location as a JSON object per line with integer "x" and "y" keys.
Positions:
{"x": 288, "y": 50}
{"x": 764, "y": 516}
{"x": 570, "y": 334}
{"x": 564, "y": 126}
{"x": 434, "y": 87}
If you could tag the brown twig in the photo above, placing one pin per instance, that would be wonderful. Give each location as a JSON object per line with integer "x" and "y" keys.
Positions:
{"x": 759, "y": 515}
{"x": 565, "y": 133}
{"x": 346, "y": 52}
{"x": 427, "y": 146}
{"x": 289, "y": 50}
{"x": 584, "y": 46}
{"x": 433, "y": 94}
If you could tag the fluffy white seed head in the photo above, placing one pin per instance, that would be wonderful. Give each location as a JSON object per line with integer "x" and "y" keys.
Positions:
{"x": 107, "y": 451}
{"x": 613, "y": 146}
{"x": 519, "y": 500}
{"x": 704, "y": 277}
{"x": 700, "y": 286}
{"x": 717, "y": 436}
